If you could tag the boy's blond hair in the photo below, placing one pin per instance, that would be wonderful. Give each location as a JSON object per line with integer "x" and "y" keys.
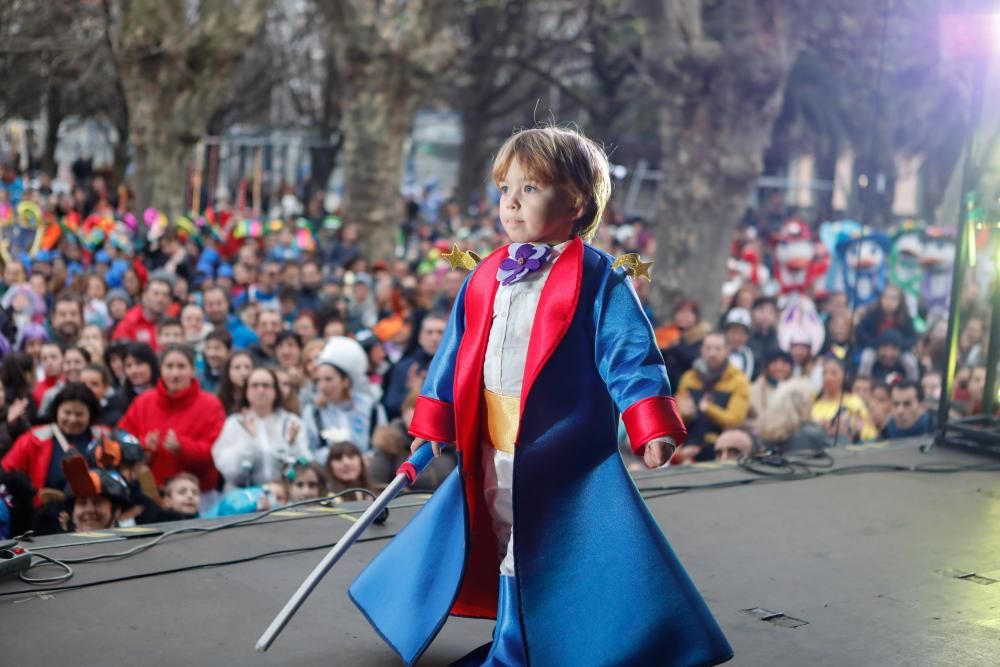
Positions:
{"x": 179, "y": 477}
{"x": 564, "y": 157}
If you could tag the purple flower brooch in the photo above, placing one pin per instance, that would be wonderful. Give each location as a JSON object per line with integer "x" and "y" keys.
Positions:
{"x": 523, "y": 259}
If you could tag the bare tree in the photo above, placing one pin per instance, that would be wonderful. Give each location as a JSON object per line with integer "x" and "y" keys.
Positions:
{"x": 387, "y": 55}
{"x": 55, "y": 63}
{"x": 176, "y": 59}
{"x": 717, "y": 73}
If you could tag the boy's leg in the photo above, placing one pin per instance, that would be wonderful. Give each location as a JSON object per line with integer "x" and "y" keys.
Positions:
{"x": 498, "y": 479}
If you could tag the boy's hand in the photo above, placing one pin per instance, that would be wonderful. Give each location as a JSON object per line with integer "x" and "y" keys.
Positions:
{"x": 417, "y": 442}
{"x": 658, "y": 452}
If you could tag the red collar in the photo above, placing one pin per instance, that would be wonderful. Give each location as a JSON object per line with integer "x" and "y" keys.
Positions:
{"x": 182, "y": 396}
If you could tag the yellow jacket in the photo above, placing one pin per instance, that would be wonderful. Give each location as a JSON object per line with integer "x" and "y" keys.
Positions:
{"x": 730, "y": 396}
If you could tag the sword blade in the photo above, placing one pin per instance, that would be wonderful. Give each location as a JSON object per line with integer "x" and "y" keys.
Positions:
{"x": 339, "y": 549}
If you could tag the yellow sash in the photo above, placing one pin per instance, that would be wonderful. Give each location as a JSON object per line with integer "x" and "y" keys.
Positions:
{"x": 501, "y": 415}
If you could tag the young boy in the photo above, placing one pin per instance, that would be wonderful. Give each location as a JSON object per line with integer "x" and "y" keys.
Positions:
{"x": 545, "y": 347}
{"x": 182, "y": 494}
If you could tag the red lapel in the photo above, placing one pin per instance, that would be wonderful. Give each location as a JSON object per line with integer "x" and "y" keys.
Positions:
{"x": 556, "y": 308}
{"x": 477, "y": 595}
{"x": 479, "y": 297}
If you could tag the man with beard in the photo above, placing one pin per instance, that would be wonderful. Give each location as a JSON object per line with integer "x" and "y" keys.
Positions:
{"x": 219, "y": 315}
{"x": 67, "y": 320}
{"x": 713, "y": 396}
{"x": 269, "y": 325}
{"x": 139, "y": 323}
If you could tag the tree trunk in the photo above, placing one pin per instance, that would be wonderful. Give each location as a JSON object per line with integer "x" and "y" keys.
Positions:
{"x": 173, "y": 65}
{"x": 54, "y": 117}
{"x": 322, "y": 160}
{"x": 384, "y": 64}
{"x": 717, "y": 103}
{"x": 121, "y": 154}
{"x": 161, "y": 153}
{"x": 473, "y": 158}
{"x": 378, "y": 116}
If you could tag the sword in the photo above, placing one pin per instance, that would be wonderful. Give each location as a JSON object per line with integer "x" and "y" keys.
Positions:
{"x": 405, "y": 476}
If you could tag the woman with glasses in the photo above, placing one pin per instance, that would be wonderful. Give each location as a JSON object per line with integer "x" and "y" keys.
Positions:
{"x": 256, "y": 443}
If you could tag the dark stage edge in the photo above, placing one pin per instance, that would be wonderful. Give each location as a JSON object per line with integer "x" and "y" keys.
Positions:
{"x": 868, "y": 562}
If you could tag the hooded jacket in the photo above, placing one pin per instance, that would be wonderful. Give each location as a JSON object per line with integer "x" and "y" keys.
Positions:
{"x": 195, "y": 416}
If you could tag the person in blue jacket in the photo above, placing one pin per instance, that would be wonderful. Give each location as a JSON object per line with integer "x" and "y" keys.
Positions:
{"x": 540, "y": 526}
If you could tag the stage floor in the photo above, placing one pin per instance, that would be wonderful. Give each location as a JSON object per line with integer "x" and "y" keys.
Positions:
{"x": 864, "y": 569}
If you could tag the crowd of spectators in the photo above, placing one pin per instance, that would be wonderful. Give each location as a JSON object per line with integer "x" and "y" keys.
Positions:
{"x": 877, "y": 376}
{"x": 209, "y": 370}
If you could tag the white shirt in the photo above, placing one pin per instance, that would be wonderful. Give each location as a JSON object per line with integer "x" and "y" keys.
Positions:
{"x": 247, "y": 459}
{"x": 513, "y": 314}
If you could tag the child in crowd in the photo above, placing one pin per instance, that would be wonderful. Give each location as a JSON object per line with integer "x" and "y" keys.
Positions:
{"x": 348, "y": 470}
{"x": 181, "y": 494}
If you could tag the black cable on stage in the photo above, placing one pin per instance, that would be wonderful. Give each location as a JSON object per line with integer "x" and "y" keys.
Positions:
{"x": 185, "y": 568}
{"x": 211, "y": 529}
{"x": 64, "y": 563}
{"x": 811, "y": 465}
{"x": 800, "y": 468}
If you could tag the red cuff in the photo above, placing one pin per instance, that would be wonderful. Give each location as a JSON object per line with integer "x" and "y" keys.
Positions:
{"x": 433, "y": 420}
{"x": 653, "y": 417}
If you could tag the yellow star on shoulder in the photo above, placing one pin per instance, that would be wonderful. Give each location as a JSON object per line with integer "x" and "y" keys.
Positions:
{"x": 459, "y": 259}
{"x": 634, "y": 266}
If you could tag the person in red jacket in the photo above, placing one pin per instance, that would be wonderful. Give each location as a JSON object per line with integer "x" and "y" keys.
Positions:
{"x": 177, "y": 422}
{"x": 139, "y": 323}
{"x": 71, "y": 426}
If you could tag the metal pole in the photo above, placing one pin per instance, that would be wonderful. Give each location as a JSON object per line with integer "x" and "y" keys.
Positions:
{"x": 406, "y": 475}
{"x": 990, "y": 391}
{"x": 962, "y": 257}
{"x": 331, "y": 558}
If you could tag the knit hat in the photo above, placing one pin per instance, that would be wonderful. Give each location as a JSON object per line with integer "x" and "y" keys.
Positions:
{"x": 346, "y": 355}
{"x": 118, "y": 293}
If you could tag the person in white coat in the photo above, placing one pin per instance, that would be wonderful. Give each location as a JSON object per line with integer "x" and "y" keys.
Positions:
{"x": 344, "y": 408}
{"x": 256, "y": 444}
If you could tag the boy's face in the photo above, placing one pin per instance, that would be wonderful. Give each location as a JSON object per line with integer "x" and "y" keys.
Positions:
{"x": 533, "y": 212}
{"x": 184, "y": 496}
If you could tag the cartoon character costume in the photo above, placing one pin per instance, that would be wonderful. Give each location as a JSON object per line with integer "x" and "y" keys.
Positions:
{"x": 590, "y": 579}
{"x": 861, "y": 262}
{"x": 937, "y": 256}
